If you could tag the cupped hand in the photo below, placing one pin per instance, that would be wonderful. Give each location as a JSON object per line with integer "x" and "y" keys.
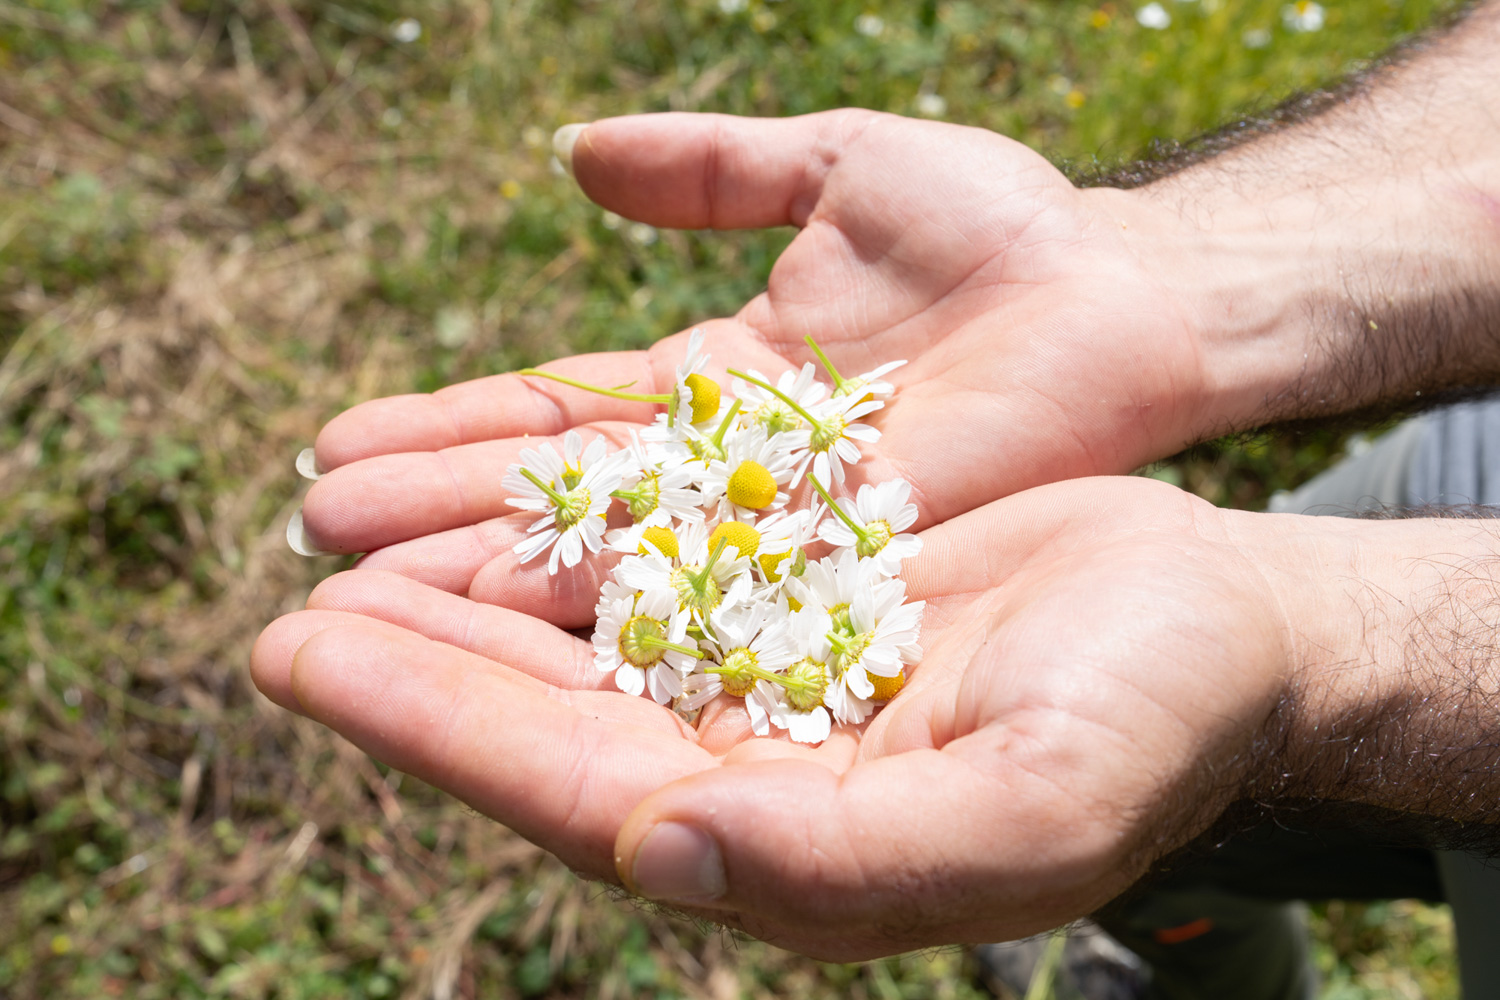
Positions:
{"x": 1100, "y": 657}
{"x": 1042, "y": 345}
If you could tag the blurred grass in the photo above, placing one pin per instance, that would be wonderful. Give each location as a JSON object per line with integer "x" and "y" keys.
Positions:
{"x": 222, "y": 223}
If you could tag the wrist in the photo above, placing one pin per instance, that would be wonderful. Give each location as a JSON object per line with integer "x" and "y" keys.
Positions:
{"x": 1392, "y": 647}
{"x": 1323, "y": 299}
{"x": 1346, "y": 260}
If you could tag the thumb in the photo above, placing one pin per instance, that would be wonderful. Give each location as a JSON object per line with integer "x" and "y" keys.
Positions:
{"x": 915, "y": 849}
{"x": 698, "y": 171}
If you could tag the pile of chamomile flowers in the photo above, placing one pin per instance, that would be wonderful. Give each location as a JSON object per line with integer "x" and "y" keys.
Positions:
{"x": 715, "y": 592}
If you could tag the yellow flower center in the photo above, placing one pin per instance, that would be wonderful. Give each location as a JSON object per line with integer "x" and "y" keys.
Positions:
{"x": 706, "y": 396}
{"x": 744, "y": 538}
{"x": 770, "y": 563}
{"x": 663, "y": 539}
{"x": 751, "y": 485}
{"x": 886, "y": 687}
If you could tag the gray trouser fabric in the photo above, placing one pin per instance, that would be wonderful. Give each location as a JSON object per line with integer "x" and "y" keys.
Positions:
{"x": 1225, "y": 928}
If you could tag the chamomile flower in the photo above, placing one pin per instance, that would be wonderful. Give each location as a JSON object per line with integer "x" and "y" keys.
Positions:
{"x": 872, "y": 524}
{"x": 691, "y": 445}
{"x": 830, "y": 585}
{"x": 831, "y": 441}
{"x": 795, "y": 701}
{"x": 880, "y": 630}
{"x": 705, "y": 579}
{"x": 749, "y": 477}
{"x": 827, "y": 442}
{"x": 869, "y": 386}
{"x": 642, "y": 639}
{"x": 753, "y": 644}
{"x": 573, "y": 490}
{"x": 767, "y": 409}
{"x": 781, "y": 537}
{"x": 657, "y": 492}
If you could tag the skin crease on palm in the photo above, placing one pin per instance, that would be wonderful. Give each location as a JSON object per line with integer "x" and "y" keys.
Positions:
{"x": 1036, "y": 741}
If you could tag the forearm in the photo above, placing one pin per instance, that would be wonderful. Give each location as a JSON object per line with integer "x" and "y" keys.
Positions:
{"x": 1348, "y": 261}
{"x": 1393, "y": 697}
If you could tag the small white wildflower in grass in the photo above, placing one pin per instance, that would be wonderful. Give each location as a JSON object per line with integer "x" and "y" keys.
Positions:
{"x": 931, "y": 105}
{"x": 1153, "y": 16}
{"x": 1256, "y": 38}
{"x": 869, "y": 25}
{"x": 732, "y": 6}
{"x": 1303, "y": 16}
{"x": 641, "y": 233}
{"x": 406, "y": 30}
{"x": 609, "y": 220}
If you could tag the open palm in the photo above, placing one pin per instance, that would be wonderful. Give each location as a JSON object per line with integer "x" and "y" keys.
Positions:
{"x": 1041, "y": 347}
{"x": 1030, "y": 771}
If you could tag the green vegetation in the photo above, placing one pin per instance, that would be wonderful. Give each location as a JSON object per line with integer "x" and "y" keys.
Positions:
{"x": 222, "y": 223}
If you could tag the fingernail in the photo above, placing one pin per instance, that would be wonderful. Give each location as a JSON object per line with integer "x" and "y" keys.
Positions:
{"x": 307, "y": 464}
{"x": 296, "y": 537}
{"x": 677, "y": 861}
{"x": 563, "y": 141}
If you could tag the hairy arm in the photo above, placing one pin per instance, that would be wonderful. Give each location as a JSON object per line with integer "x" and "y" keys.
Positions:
{"x": 1390, "y": 715}
{"x": 1343, "y": 254}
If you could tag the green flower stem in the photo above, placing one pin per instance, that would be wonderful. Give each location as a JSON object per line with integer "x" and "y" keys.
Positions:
{"x": 633, "y": 397}
{"x": 713, "y": 557}
{"x": 841, "y": 643}
{"x": 833, "y": 373}
{"x": 812, "y": 420}
{"x": 652, "y": 642}
{"x": 859, "y": 530}
{"x": 552, "y": 494}
{"x": 718, "y": 439}
{"x": 757, "y": 671}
